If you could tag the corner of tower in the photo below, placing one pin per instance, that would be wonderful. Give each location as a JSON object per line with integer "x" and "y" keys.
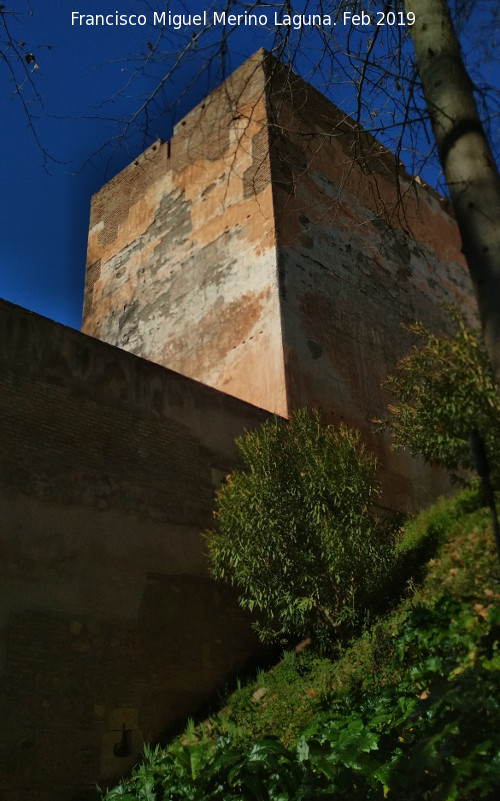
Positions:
{"x": 182, "y": 263}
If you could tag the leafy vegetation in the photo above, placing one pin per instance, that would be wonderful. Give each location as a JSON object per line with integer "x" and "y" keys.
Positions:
{"x": 294, "y": 530}
{"x": 409, "y": 711}
{"x": 445, "y": 387}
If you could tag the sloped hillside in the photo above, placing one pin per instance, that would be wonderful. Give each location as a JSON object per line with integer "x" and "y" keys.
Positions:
{"x": 409, "y": 711}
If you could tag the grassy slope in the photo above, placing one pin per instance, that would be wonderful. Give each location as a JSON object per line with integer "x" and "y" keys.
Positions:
{"x": 408, "y": 711}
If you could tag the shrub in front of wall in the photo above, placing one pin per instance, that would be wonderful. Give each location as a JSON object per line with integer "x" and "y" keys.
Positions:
{"x": 444, "y": 388}
{"x": 294, "y": 529}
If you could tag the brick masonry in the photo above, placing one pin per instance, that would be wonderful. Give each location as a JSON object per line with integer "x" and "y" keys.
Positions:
{"x": 362, "y": 249}
{"x": 276, "y": 259}
{"x": 108, "y": 465}
{"x": 181, "y": 253}
{"x": 268, "y": 252}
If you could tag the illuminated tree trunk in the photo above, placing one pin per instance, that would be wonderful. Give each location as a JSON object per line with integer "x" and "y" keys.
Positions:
{"x": 467, "y": 161}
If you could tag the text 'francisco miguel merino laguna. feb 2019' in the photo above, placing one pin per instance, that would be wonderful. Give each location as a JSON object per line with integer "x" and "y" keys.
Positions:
{"x": 264, "y": 20}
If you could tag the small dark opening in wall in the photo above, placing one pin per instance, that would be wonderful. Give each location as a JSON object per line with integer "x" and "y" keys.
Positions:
{"x": 315, "y": 348}
{"x": 124, "y": 747}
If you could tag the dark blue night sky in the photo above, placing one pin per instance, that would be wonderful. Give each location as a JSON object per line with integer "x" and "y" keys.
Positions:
{"x": 88, "y": 78}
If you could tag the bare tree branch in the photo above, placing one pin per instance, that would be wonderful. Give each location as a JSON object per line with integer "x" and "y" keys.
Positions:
{"x": 21, "y": 65}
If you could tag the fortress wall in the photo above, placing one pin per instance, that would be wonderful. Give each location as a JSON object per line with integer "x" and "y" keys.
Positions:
{"x": 181, "y": 264}
{"x": 108, "y": 622}
{"x": 269, "y": 250}
{"x": 359, "y": 255}
{"x": 251, "y": 253}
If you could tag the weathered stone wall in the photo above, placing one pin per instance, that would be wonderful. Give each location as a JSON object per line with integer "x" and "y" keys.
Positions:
{"x": 181, "y": 254}
{"x": 359, "y": 254}
{"x": 107, "y": 618}
{"x": 269, "y": 250}
{"x": 251, "y": 253}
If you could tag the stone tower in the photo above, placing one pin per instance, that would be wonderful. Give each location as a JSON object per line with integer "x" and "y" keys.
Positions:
{"x": 271, "y": 250}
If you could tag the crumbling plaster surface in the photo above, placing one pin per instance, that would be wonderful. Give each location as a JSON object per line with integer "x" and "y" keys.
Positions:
{"x": 252, "y": 254}
{"x": 278, "y": 257}
{"x": 182, "y": 258}
{"x": 359, "y": 255}
{"x": 272, "y": 252}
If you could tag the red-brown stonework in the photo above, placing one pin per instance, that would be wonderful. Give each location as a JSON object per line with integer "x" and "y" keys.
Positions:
{"x": 362, "y": 249}
{"x": 186, "y": 245}
{"x": 267, "y": 251}
{"x": 277, "y": 261}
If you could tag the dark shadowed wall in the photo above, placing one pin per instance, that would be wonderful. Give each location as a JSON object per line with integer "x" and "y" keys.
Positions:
{"x": 110, "y": 628}
{"x": 269, "y": 251}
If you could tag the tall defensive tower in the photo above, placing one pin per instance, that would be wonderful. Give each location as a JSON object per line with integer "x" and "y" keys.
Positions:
{"x": 271, "y": 249}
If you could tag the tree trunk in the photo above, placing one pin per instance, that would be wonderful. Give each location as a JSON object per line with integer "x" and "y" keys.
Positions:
{"x": 467, "y": 161}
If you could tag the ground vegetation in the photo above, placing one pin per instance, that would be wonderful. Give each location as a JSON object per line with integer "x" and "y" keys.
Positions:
{"x": 409, "y": 711}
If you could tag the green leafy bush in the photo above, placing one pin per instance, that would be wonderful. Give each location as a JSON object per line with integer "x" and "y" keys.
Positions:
{"x": 444, "y": 388}
{"x": 410, "y": 710}
{"x": 431, "y": 734}
{"x": 434, "y": 733}
{"x": 295, "y": 533}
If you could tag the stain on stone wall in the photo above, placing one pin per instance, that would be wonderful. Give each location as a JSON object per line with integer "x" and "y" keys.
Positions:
{"x": 362, "y": 250}
{"x": 279, "y": 264}
{"x": 267, "y": 251}
{"x": 188, "y": 265}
